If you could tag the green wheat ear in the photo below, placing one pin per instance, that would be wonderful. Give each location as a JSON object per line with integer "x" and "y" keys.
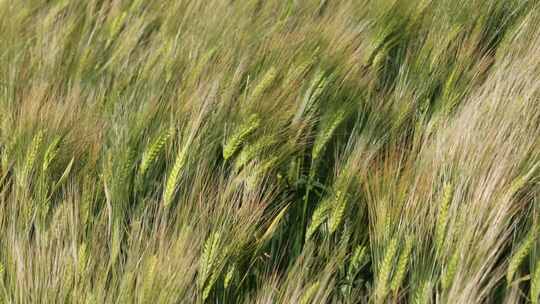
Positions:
{"x": 358, "y": 260}
{"x": 315, "y": 91}
{"x": 209, "y": 259}
{"x": 420, "y": 295}
{"x": 442, "y": 217}
{"x": 32, "y": 155}
{"x": 521, "y": 181}
{"x": 265, "y": 83}
{"x": 266, "y": 165}
{"x": 450, "y": 272}
{"x": 358, "y": 257}
{"x": 273, "y": 226}
{"x": 319, "y": 216}
{"x": 50, "y": 154}
{"x": 240, "y": 135}
{"x": 535, "y": 283}
{"x": 309, "y": 293}
{"x": 115, "y": 26}
{"x": 521, "y": 253}
{"x": 325, "y": 134}
{"x": 152, "y": 151}
{"x": 229, "y": 277}
{"x": 150, "y": 272}
{"x": 251, "y": 151}
{"x": 336, "y": 216}
{"x": 6, "y": 154}
{"x": 210, "y": 285}
{"x": 299, "y": 70}
{"x": 172, "y": 179}
{"x": 208, "y": 256}
{"x": 310, "y": 101}
{"x": 381, "y": 288}
{"x": 402, "y": 265}
{"x": 82, "y": 257}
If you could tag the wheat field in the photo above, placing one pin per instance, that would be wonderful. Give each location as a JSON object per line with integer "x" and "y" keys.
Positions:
{"x": 252, "y": 151}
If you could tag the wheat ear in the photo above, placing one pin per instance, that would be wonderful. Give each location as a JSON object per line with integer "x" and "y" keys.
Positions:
{"x": 172, "y": 179}
{"x": 442, "y": 217}
{"x": 402, "y": 264}
{"x": 240, "y": 135}
{"x": 152, "y": 151}
{"x": 521, "y": 253}
{"x": 381, "y": 288}
{"x": 319, "y": 216}
{"x": 338, "y": 209}
{"x": 325, "y": 134}
{"x": 535, "y": 283}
